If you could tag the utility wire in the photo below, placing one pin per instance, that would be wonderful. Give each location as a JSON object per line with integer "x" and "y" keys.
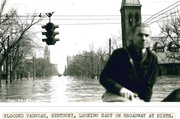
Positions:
{"x": 164, "y": 17}
{"x": 110, "y": 23}
{"x": 23, "y": 17}
{"x": 98, "y": 17}
{"x": 84, "y": 24}
{"x": 70, "y": 19}
{"x": 158, "y": 13}
{"x": 74, "y": 16}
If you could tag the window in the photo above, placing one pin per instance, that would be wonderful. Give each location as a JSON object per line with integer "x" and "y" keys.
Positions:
{"x": 137, "y": 18}
{"x": 160, "y": 49}
{"x": 130, "y": 19}
{"x": 174, "y": 49}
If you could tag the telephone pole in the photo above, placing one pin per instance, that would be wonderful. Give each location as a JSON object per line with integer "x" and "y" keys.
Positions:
{"x": 109, "y": 47}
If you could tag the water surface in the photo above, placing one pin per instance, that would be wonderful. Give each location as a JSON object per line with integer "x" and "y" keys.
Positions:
{"x": 72, "y": 89}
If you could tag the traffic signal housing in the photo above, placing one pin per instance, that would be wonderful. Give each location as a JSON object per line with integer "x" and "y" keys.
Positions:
{"x": 50, "y": 33}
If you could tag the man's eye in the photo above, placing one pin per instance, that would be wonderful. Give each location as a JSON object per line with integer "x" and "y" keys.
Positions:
{"x": 140, "y": 35}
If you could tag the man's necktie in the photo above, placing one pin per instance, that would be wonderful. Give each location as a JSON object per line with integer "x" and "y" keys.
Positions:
{"x": 140, "y": 55}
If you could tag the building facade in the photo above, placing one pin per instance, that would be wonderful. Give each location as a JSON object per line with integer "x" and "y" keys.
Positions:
{"x": 168, "y": 56}
{"x": 130, "y": 15}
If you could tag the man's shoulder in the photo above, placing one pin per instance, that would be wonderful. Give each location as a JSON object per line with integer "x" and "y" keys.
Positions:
{"x": 119, "y": 50}
{"x": 153, "y": 54}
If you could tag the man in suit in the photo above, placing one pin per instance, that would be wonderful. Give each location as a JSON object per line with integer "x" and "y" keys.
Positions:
{"x": 131, "y": 72}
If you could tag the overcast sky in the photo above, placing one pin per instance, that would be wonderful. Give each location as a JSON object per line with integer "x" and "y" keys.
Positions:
{"x": 88, "y": 22}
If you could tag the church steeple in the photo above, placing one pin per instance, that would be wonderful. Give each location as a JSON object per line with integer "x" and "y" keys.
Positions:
{"x": 47, "y": 53}
{"x": 130, "y": 3}
{"x": 130, "y": 15}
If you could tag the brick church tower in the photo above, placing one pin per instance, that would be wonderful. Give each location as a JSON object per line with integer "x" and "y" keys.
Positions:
{"x": 130, "y": 15}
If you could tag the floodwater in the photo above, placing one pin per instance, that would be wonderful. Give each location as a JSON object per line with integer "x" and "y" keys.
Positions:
{"x": 164, "y": 86}
{"x": 53, "y": 89}
{"x": 71, "y": 89}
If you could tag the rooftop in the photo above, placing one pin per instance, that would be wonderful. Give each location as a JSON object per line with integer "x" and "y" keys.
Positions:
{"x": 130, "y": 3}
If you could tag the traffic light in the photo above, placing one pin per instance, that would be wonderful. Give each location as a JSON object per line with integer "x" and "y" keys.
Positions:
{"x": 50, "y": 33}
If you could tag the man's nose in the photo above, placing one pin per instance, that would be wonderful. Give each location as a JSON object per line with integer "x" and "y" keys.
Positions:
{"x": 143, "y": 37}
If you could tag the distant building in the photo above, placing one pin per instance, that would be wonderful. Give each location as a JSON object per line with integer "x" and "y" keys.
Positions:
{"x": 47, "y": 58}
{"x": 168, "y": 55}
{"x": 39, "y": 67}
{"x": 47, "y": 53}
{"x": 69, "y": 60}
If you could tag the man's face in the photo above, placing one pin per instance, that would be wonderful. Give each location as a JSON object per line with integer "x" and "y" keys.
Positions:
{"x": 142, "y": 37}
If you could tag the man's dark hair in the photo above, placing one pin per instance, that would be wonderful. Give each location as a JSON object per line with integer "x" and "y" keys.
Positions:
{"x": 140, "y": 25}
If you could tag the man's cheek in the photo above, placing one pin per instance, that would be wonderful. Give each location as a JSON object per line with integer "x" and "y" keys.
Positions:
{"x": 147, "y": 43}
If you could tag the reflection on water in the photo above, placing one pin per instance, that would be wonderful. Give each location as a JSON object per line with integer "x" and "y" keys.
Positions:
{"x": 66, "y": 89}
{"x": 54, "y": 89}
{"x": 164, "y": 86}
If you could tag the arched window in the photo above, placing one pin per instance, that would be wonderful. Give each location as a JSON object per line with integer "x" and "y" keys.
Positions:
{"x": 130, "y": 19}
{"x": 137, "y": 18}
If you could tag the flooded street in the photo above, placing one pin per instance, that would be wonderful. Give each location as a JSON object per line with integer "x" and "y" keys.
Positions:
{"x": 54, "y": 89}
{"x": 164, "y": 86}
{"x": 66, "y": 89}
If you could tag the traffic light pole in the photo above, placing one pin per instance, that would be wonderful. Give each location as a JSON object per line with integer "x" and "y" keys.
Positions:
{"x": 49, "y": 15}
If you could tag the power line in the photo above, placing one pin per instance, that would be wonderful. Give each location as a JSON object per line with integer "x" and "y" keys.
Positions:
{"x": 98, "y": 17}
{"x": 34, "y": 15}
{"x": 71, "y": 18}
{"x": 164, "y": 17}
{"x": 86, "y": 15}
{"x": 152, "y": 17}
{"x": 74, "y": 16}
{"x": 85, "y": 24}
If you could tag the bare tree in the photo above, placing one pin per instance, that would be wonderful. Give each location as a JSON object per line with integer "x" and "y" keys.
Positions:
{"x": 15, "y": 38}
{"x": 170, "y": 35}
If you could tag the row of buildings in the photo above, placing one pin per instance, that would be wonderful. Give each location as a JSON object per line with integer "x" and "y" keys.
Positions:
{"x": 32, "y": 68}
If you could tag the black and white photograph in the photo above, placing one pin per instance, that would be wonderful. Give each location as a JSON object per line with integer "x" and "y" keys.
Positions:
{"x": 90, "y": 51}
